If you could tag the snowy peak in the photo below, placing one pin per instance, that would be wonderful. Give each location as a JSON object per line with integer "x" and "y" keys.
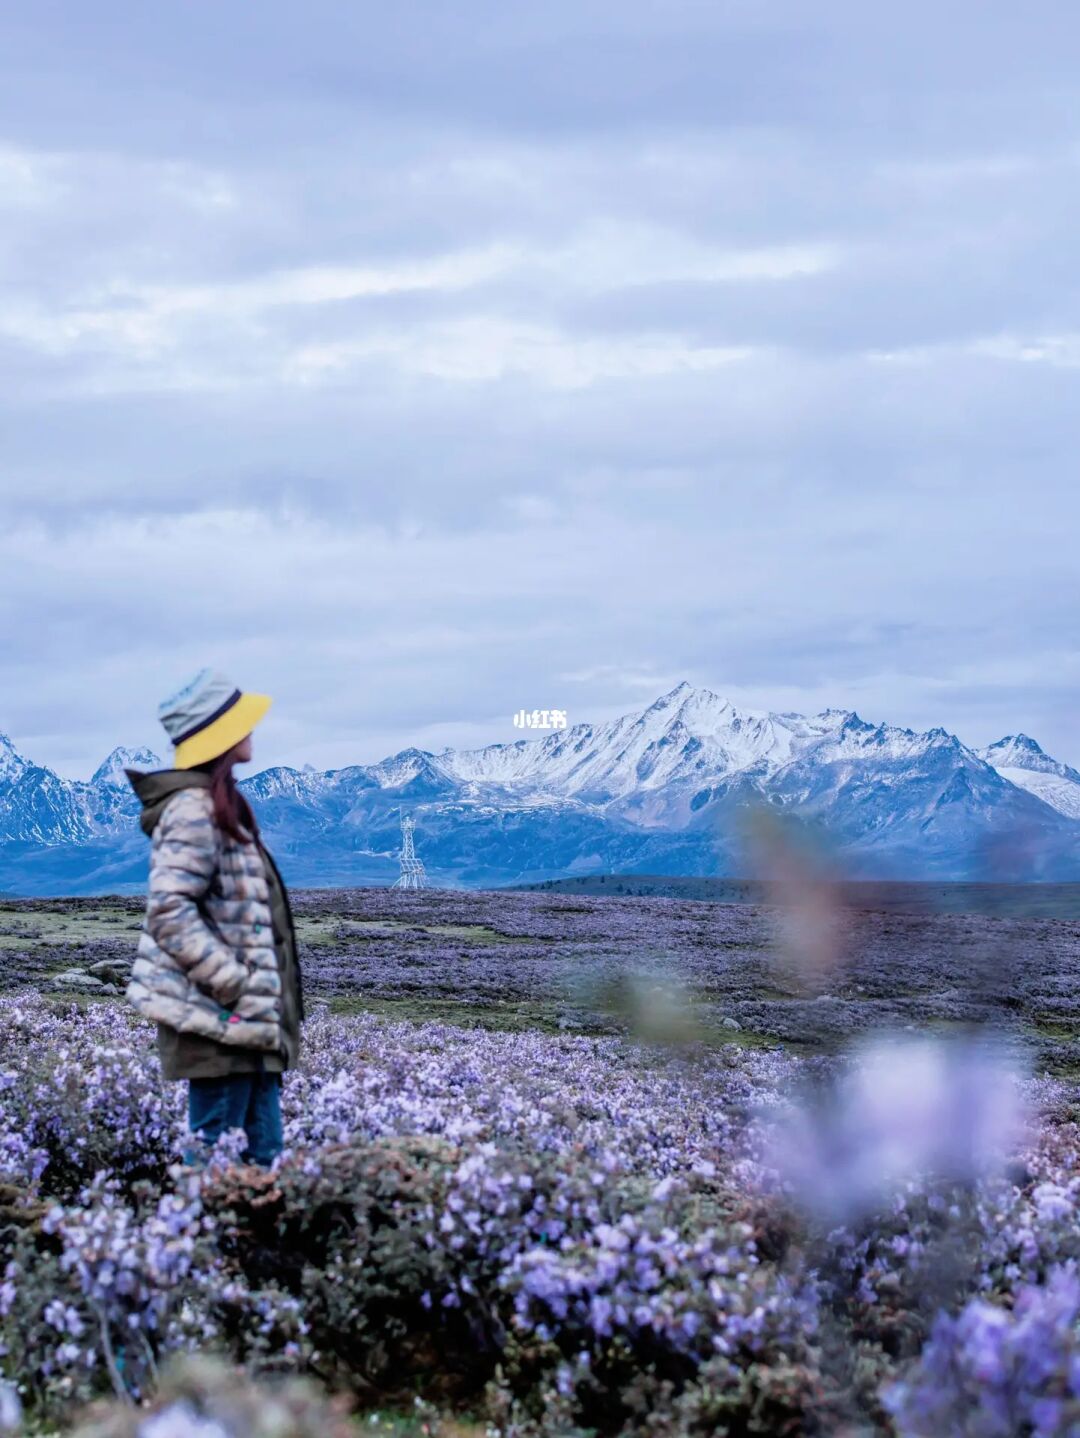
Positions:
{"x": 110, "y": 772}
{"x": 12, "y": 763}
{"x": 1022, "y": 762}
{"x": 685, "y": 732}
{"x": 693, "y": 737}
{"x": 673, "y": 696}
{"x": 414, "y": 770}
{"x": 683, "y": 695}
{"x": 1016, "y": 751}
{"x": 283, "y": 782}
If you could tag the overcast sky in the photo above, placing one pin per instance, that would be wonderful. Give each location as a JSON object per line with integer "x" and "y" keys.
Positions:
{"x": 416, "y": 363}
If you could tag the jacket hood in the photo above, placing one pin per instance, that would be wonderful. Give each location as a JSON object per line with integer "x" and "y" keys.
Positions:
{"x": 157, "y": 787}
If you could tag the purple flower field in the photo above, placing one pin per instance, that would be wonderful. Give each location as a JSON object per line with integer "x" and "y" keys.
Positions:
{"x": 633, "y": 1226}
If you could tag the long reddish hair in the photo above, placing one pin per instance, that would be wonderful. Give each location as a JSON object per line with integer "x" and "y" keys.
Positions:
{"x": 232, "y": 812}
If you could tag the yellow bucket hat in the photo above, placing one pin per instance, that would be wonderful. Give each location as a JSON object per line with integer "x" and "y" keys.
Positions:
{"x": 208, "y": 716}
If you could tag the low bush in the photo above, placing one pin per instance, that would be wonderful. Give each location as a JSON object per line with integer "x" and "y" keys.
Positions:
{"x": 569, "y": 1236}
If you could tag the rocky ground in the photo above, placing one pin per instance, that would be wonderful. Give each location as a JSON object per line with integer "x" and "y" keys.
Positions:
{"x": 761, "y": 974}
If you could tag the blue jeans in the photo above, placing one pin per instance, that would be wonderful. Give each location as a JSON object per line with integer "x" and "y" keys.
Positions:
{"x": 248, "y": 1101}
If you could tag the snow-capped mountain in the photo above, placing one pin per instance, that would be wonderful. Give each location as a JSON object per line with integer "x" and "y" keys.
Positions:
{"x": 40, "y": 809}
{"x": 683, "y": 735}
{"x": 12, "y": 763}
{"x": 111, "y": 769}
{"x": 662, "y": 790}
{"x": 1021, "y": 761}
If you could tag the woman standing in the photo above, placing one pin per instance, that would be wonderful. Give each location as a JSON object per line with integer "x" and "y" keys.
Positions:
{"x": 217, "y": 965}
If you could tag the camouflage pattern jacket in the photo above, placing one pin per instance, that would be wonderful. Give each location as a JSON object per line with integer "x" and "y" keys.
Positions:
{"x": 207, "y": 968}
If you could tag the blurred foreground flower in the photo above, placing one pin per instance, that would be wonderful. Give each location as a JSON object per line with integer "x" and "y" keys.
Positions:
{"x": 898, "y": 1110}
{"x": 812, "y": 938}
{"x": 992, "y": 1373}
{"x": 10, "y": 1409}
{"x": 650, "y": 1004}
{"x": 203, "y": 1397}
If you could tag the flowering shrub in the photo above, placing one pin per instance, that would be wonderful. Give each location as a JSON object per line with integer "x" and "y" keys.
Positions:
{"x": 990, "y": 1372}
{"x": 580, "y": 1234}
{"x": 501, "y": 1254}
{"x": 81, "y": 1092}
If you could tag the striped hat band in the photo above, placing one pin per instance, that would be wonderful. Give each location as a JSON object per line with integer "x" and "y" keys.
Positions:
{"x": 208, "y": 717}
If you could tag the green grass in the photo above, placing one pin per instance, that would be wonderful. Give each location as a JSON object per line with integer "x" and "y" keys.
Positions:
{"x": 474, "y": 933}
{"x": 20, "y": 928}
{"x": 1053, "y": 1028}
{"x": 336, "y": 931}
{"x": 41, "y": 926}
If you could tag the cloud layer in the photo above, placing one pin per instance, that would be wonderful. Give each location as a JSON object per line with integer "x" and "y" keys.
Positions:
{"x": 420, "y": 367}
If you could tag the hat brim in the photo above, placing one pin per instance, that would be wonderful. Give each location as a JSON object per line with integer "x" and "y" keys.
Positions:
{"x": 220, "y": 736}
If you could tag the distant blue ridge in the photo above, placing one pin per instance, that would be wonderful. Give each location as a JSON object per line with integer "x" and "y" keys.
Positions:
{"x": 661, "y": 791}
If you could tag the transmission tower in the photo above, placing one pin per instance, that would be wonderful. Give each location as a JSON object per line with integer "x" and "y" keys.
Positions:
{"x": 412, "y": 874}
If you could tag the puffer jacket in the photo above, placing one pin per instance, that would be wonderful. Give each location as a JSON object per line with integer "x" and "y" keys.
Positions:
{"x": 206, "y": 964}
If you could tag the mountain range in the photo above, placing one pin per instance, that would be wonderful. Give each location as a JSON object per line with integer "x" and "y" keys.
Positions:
{"x": 661, "y": 790}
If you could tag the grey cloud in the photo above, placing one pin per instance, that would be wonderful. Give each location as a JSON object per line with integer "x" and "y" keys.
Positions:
{"x": 233, "y": 75}
{"x": 407, "y": 513}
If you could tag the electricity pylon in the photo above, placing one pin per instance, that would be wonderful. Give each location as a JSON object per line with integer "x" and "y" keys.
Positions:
{"x": 412, "y": 874}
